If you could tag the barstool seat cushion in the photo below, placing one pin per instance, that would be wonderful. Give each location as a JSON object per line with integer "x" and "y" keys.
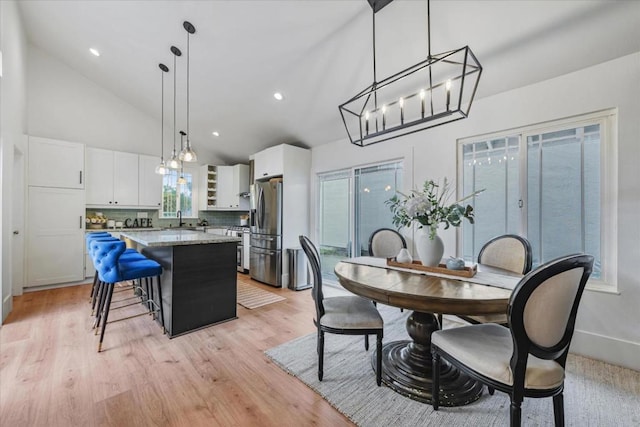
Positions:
{"x": 138, "y": 269}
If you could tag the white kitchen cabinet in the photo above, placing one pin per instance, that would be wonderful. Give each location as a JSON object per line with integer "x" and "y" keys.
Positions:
{"x": 54, "y": 163}
{"x": 269, "y": 162}
{"x": 112, "y": 178}
{"x": 150, "y": 183}
{"x": 55, "y": 235}
{"x": 223, "y": 186}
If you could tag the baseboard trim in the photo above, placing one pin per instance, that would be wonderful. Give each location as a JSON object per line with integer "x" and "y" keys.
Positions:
{"x": 56, "y": 285}
{"x": 611, "y": 350}
{"x": 7, "y": 305}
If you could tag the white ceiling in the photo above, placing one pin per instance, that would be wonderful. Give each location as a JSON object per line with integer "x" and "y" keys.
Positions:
{"x": 317, "y": 52}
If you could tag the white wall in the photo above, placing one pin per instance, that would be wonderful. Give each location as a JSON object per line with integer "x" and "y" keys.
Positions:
{"x": 13, "y": 45}
{"x": 607, "y": 326}
{"x": 63, "y": 104}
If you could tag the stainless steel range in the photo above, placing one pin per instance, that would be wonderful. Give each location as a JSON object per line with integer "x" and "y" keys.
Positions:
{"x": 242, "y": 254}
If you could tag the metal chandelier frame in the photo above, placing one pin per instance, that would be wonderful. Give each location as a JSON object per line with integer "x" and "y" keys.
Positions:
{"x": 433, "y": 92}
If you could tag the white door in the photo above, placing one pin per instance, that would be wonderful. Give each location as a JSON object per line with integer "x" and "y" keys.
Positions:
{"x": 125, "y": 179}
{"x": 225, "y": 187}
{"x": 54, "y": 163}
{"x": 55, "y": 241}
{"x": 17, "y": 220}
{"x": 150, "y": 190}
{"x": 99, "y": 176}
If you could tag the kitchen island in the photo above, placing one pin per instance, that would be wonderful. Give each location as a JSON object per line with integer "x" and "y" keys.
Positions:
{"x": 198, "y": 277}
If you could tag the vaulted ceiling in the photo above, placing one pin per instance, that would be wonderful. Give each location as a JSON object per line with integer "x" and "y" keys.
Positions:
{"x": 318, "y": 53}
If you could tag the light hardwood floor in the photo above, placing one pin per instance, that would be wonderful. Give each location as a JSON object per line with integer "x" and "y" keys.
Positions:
{"x": 51, "y": 374}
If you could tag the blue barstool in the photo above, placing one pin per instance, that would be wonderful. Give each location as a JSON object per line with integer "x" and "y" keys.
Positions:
{"x": 111, "y": 270}
{"x": 129, "y": 254}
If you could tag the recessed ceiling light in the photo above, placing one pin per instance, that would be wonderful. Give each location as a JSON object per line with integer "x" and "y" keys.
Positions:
{"x": 278, "y": 96}
{"x": 94, "y": 52}
{"x": 216, "y": 133}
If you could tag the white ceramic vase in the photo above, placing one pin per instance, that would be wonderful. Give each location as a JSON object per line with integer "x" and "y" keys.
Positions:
{"x": 430, "y": 251}
{"x": 404, "y": 256}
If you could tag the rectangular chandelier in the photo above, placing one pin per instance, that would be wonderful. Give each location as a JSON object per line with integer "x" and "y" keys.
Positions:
{"x": 430, "y": 93}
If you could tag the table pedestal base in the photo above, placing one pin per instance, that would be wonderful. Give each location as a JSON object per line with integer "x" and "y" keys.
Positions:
{"x": 407, "y": 367}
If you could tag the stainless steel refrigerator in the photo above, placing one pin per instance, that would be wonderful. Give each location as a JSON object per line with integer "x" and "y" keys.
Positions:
{"x": 265, "y": 263}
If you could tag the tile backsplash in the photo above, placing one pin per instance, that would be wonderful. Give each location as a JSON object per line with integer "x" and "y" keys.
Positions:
{"x": 223, "y": 218}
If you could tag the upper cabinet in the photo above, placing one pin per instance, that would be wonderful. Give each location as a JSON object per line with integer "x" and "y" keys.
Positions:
{"x": 269, "y": 162}
{"x": 225, "y": 187}
{"x": 54, "y": 163}
{"x": 112, "y": 178}
{"x": 150, "y": 183}
{"x": 233, "y": 187}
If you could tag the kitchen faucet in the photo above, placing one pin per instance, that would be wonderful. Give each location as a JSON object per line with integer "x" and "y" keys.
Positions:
{"x": 179, "y": 215}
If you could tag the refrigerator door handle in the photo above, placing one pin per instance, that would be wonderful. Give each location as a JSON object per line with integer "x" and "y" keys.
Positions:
{"x": 261, "y": 209}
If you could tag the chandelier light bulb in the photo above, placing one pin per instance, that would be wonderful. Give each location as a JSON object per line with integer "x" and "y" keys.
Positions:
{"x": 384, "y": 117}
{"x": 447, "y": 86}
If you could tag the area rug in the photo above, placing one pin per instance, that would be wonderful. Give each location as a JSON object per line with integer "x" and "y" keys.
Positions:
{"x": 251, "y": 297}
{"x": 596, "y": 393}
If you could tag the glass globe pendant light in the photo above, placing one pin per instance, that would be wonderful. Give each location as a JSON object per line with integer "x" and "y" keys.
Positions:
{"x": 187, "y": 154}
{"x": 161, "y": 169}
{"x": 174, "y": 163}
{"x": 181, "y": 179}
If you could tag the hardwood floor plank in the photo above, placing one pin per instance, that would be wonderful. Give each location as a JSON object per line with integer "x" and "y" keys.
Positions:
{"x": 51, "y": 374}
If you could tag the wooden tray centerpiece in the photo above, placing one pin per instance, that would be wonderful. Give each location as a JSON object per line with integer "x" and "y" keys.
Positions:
{"x": 469, "y": 271}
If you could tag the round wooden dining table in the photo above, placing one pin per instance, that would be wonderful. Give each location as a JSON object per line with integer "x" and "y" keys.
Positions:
{"x": 406, "y": 365}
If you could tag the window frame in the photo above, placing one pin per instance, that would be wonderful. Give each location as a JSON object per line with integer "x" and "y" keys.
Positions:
{"x": 608, "y": 121}
{"x": 194, "y": 171}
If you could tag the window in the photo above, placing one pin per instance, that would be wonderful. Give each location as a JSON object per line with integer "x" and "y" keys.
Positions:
{"x": 548, "y": 184}
{"x": 351, "y": 207}
{"x": 179, "y": 197}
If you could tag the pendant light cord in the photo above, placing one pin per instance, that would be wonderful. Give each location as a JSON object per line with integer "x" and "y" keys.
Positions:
{"x": 174, "y": 105}
{"x": 162, "y": 120}
{"x": 375, "y": 81}
{"x": 428, "y": 29}
{"x": 188, "y": 57}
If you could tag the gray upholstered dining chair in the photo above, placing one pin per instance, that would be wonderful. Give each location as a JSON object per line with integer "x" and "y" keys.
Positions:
{"x": 528, "y": 358}
{"x": 509, "y": 252}
{"x": 386, "y": 243}
{"x": 348, "y": 315}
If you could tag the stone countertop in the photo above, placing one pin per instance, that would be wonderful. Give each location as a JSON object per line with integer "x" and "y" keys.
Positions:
{"x": 176, "y": 238}
{"x": 121, "y": 229}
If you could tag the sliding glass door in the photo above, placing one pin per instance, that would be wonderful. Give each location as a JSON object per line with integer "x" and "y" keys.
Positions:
{"x": 351, "y": 207}
{"x": 334, "y": 220}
